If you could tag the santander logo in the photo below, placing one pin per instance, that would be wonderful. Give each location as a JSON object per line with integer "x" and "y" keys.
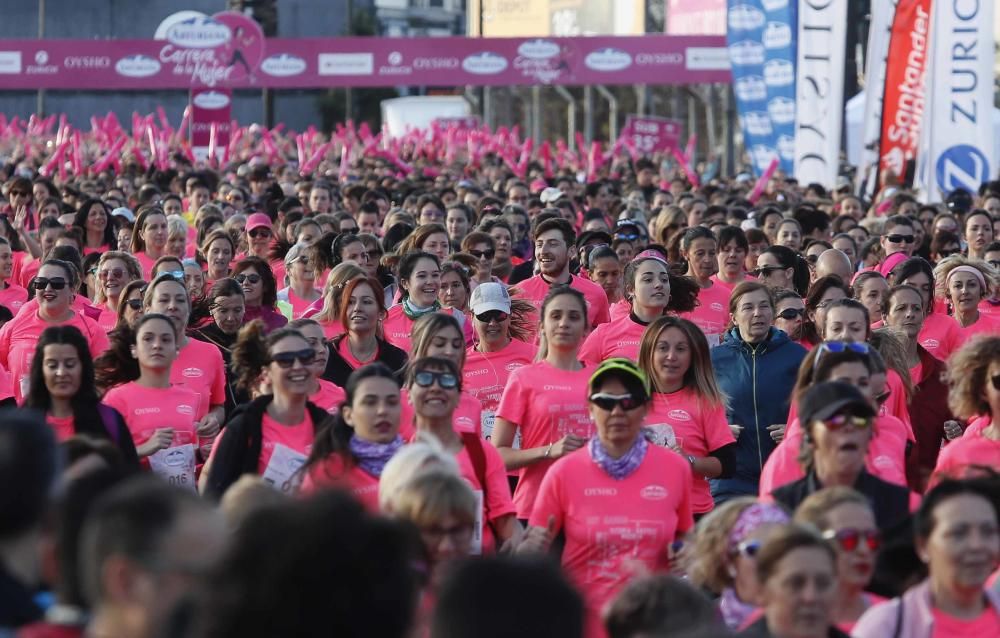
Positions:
{"x": 653, "y": 492}
{"x": 679, "y": 415}
{"x": 192, "y": 373}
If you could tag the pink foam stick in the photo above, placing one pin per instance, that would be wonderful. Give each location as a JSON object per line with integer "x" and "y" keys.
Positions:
{"x": 344, "y": 163}
{"x": 691, "y": 175}
{"x": 77, "y": 157}
{"x": 279, "y": 127}
{"x": 185, "y": 121}
{"x": 213, "y": 140}
{"x": 153, "y": 155}
{"x": 110, "y": 156}
{"x": 319, "y": 155}
{"x": 300, "y": 146}
{"x": 762, "y": 181}
{"x": 689, "y": 149}
{"x": 47, "y": 168}
{"x": 162, "y": 114}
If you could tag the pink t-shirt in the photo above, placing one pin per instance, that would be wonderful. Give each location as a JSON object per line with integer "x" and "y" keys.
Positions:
{"x": 329, "y": 396}
{"x": 485, "y": 375}
{"x": 466, "y": 418}
{"x": 990, "y": 307}
{"x": 619, "y": 309}
{"x": 497, "y": 501}
{"x": 398, "y": 328}
{"x": 64, "y": 427}
{"x": 107, "y": 320}
{"x": 146, "y": 263}
{"x": 279, "y": 438}
{"x": 712, "y": 312}
{"x": 986, "y": 623}
{"x": 298, "y": 304}
{"x": 331, "y": 473}
{"x": 535, "y": 289}
{"x": 618, "y": 338}
{"x": 614, "y": 527}
{"x": 717, "y": 280}
{"x": 332, "y": 329}
{"x": 13, "y": 297}
{"x": 972, "y": 449}
{"x": 940, "y": 335}
{"x": 18, "y": 339}
{"x": 546, "y": 404}
{"x": 698, "y": 428}
{"x": 984, "y": 325}
{"x": 199, "y": 367}
{"x": 28, "y": 271}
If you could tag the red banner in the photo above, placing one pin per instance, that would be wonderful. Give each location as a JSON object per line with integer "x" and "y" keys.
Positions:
{"x": 903, "y": 104}
{"x": 211, "y": 113}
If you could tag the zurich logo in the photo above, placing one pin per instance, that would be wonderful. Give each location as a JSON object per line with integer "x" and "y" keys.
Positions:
{"x": 962, "y": 166}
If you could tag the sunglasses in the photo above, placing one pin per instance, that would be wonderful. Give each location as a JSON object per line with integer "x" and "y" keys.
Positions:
{"x": 765, "y": 270}
{"x": 176, "y": 274}
{"x": 812, "y": 259}
{"x": 259, "y": 232}
{"x": 373, "y": 254}
{"x": 41, "y": 283}
{"x": 948, "y": 252}
{"x": 900, "y": 239}
{"x": 116, "y": 273}
{"x": 479, "y": 254}
{"x": 749, "y": 548}
{"x": 791, "y": 313}
{"x": 850, "y": 538}
{"x": 21, "y": 193}
{"x": 253, "y": 278}
{"x": 608, "y": 402}
{"x": 842, "y": 421}
{"x": 837, "y": 347}
{"x": 286, "y": 360}
{"x": 426, "y": 378}
{"x": 627, "y": 237}
{"x": 134, "y": 304}
{"x": 492, "y": 315}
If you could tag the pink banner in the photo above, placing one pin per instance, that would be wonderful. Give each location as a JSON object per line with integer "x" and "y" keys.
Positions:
{"x": 652, "y": 134}
{"x": 210, "y": 108}
{"x": 211, "y": 52}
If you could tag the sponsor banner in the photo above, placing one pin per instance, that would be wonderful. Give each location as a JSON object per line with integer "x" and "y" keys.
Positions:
{"x": 876, "y": 60}
{"x": 780, "y": 35}
{"x": 459, "y": 122}
{"x": 202, "y": 54}
{"x": 210, "y": 106}
{"x": 695, "y": 17}
{"x": 652, "y": 134}
{"x": 819, "y": 88}
{"x": 957, "y": 142}
{"x": 904, "y": 96}
{"x": 747, "y": 21}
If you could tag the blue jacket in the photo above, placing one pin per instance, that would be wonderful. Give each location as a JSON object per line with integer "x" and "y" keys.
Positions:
{"x": 757, "y": 382}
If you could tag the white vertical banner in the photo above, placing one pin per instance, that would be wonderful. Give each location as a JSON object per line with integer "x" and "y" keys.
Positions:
{"x": 875, "y": 64}
{"x": 819, "y": 90}
{"x": 957, "y": 141}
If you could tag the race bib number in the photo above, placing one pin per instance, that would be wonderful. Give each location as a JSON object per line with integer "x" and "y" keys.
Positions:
{"x": 488, "y": 419}
{"x": 282, "y": 470}
{"x": 476, "y": 545}
{"x": 175, "y": 465}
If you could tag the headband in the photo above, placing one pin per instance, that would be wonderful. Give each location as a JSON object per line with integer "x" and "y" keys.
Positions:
{"x": 753, "y": 517}
{"x": 650, "y": 253}
{"x": 972, "y": 271}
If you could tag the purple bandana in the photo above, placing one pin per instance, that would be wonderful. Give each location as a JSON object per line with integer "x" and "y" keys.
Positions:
{"x": 372, "y": 457}
{"x": 622, "y": 468}
{"x": 734, "y": 611}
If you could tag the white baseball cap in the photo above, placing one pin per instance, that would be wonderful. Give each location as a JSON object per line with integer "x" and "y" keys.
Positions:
{"x": 551, "y": 194}
{"x": 490, "y": 296}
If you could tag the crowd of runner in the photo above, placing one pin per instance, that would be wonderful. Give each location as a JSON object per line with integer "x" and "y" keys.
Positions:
{"x": 466, "y": 395}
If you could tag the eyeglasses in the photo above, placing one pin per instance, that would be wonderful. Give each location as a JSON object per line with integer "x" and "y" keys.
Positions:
{"x": 479, "y": 254}
{"x": 286, "y": 360}
{"x": 253, "y": 278}
{"x": 426, "y": 378}
{"x": 134, "y": 304}
{"x": 259, "y": 232}
{"x": 116, "y": 273}
{"x": 850, "y": 538}
{"x": 490, "y": 316}
{"x": 749, "y": 548}
{"x": 608, "y": 402}
{"x": 791, "y": 313}
{"x": 900, "y": 239}
{"x": 41, "y": 283}
{"x": 841, "y": 421}
{"x": 765, "y": 271}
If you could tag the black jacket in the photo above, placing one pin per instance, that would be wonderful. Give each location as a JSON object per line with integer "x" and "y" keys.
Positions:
{"x": 211, "y": 333}
{"x": 522, "y": 272}
{"x": 890, "y": 502}
{"x": 239, "y": 445}
{"x": 337, "y": 368}
{"x": 760, "y": 629}
{"x": 17, "y": 604}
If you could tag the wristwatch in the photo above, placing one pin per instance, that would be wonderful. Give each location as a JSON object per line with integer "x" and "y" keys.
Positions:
{"x": 691, "y": 459}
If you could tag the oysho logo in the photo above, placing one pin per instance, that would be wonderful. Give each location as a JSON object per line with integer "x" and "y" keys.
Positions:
{"x": 962, "y": 166}
{"x": 781, "y": 110}
{"x": 209, "y": 100}
{"x": 192, "y": 373}
{"x": 485, "y": 63}
{"x": 142, "y": 411}
{"x": 779, "y": 73}
{"x": 87, "y": 62}
{"x": 600, "y": 491}
{"x": 653, "y": 492}
{"x": 185, "y": 409}
{"x": 750, "y": 88}
{"x": 679, "y": 415}
{"x": 745, "y": 17}
{"x": 777, "y": 35}
{"x": 199, "y": 33}
{"x": 538, "y": 49}
{"x": 746, "y": 52}
{"x": 283, "y": 65}
{"x": 608, "y": 59}
{"x": 435, "y": 63}
{"x": 560, "y": 388}
{"x": 137, "y": 66}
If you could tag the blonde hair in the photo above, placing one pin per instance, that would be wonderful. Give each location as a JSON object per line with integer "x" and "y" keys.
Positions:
{"x": 132, "y": 267}
{"x": 888, "y": 343}
{"x": 966, "y": 375}
{"x": 176, "y": 227}
{"x": 431, "y": 497}
{"x": 425, "y": 454}
{"x": 816, "y": 508}
{"x": 699, "y": 376}
{"x": 334, "y": 288}
{"x": 709, "y": 566}
{"x": 944, "y": 267}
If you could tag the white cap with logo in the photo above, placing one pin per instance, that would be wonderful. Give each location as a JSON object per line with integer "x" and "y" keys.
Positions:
{"x": 490, "y": 296}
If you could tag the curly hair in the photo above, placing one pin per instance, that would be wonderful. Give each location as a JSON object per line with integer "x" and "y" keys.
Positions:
{"x": 966, "y": 375}
{"x": 709, "y": 566}
{"x": 944, "y": 268}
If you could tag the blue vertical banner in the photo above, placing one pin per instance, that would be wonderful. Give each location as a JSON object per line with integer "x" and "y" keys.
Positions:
{"x": 747, "y": 21}
{"x": 780, "y": 39}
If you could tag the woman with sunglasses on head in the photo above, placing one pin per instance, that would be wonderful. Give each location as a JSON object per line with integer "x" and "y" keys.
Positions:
{"x": 652, "y": 291}
{"x": 149, "y": 238}
{"x": 725, "y": 545}
{"x": 260, "y": 292}
{"x": 845, "y": 518}
{"x": 62, "y": 387}
{"x": 54, "y": 297}
{"x": 199, "y": 366}
{"x": 837, "y": 424}
{"x": 686, "y": 411}
{"x": 94, "y": 219}
{"x": 361, "y": 312}
{"x": 782, "y": 267}
{"x": 940, "y": 335}
{"x": 301, "y": 291}
{"x": 789, "y": 315}
{"x": 226, "y": 310}
{"x": 965, "y": 283}
{"x": 115, "y": 270}
{"x": 322, "y": 392}
{"x": 162, "y": 416}
{"x": 272, "y": 436}
{"x": 973, "y": 378}
{"x": 603, "y": 492}
{"x": 699, "y": 248}
{"x": 541, "y": 404}
{"x": 434, "y": 386}
{"x": 354, "y": 447}
{"x": 168, "y": 265}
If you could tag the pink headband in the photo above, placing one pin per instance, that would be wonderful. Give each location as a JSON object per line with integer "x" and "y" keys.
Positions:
{"x": 650, "y": 253}
{"x": 753, "y": 517}
{"x": 972, "y": 271}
